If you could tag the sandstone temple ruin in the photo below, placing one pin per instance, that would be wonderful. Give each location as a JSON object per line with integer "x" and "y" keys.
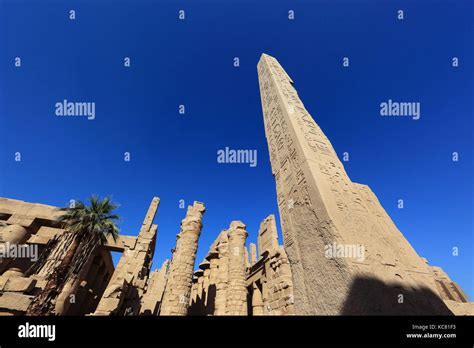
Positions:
{"x": 319, "y": 207}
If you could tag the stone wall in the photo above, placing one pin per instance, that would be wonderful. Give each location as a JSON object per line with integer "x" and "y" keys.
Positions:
{"x": 35, "y": 226}
{"x": 151, "y": 301}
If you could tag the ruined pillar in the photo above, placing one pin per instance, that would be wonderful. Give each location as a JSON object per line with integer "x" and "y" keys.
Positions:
{"x": 12, "y": 234}
{"x": 267, "y": 235}
{"x": 253, "y": 254}
{"x": 154, "y": 293}
{"x": 132, "y": 271}
{"x": 246, "y": 258}
{"x": 177, "y": 293}
{"x": 279, "y": 284}
{"x": 236, "y": 297}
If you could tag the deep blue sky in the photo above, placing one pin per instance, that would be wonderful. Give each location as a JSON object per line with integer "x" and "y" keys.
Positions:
{"x": 191, "y": 62}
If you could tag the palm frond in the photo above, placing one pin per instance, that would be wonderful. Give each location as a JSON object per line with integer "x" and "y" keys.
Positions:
{"x": 96, "y": 219}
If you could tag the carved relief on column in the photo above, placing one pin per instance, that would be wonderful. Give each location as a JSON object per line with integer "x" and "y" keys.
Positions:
{"x": 177, "y": 294}
{"x": 236, "y": 301}
{"x": 246, "y": 258}
{"x": 222, "y": 278}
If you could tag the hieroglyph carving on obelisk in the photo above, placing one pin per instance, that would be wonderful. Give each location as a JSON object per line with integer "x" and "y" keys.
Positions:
{"x": 321, "y": 208}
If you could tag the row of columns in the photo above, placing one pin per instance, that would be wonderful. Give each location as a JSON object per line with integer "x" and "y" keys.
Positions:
{"x": 219, "y": 286}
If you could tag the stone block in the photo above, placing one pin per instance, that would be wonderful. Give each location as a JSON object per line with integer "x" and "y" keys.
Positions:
{"x": 15, "y": 301}
{"x": 19, "y": 284}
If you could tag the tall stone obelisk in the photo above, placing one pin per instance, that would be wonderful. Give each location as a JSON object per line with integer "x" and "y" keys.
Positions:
{"x": 322, "y": 210}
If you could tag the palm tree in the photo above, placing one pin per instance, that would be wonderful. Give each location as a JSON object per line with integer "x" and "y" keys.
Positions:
{"x": 90, "y": 227}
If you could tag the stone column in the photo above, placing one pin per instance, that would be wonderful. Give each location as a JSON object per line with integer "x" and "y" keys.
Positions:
{"x": 253, "y": 254}
{"x": 257, "y": 300}
{"x": 200, "y": 286}
{"x": 246, "y": 259}
{"x": 222, "y": 278}
{"x": 13, "y": 272}
{"x": 213, "y": 278}
{"x": 236, "y": 301}
{"x": 267, "y": 235}
{"x": 12, "y": 234}
{"x": 193, "y": 299}
{"x": 205, "y": 266}
{"x": 178, "y": 288}
{"x": 214, "y": 264}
